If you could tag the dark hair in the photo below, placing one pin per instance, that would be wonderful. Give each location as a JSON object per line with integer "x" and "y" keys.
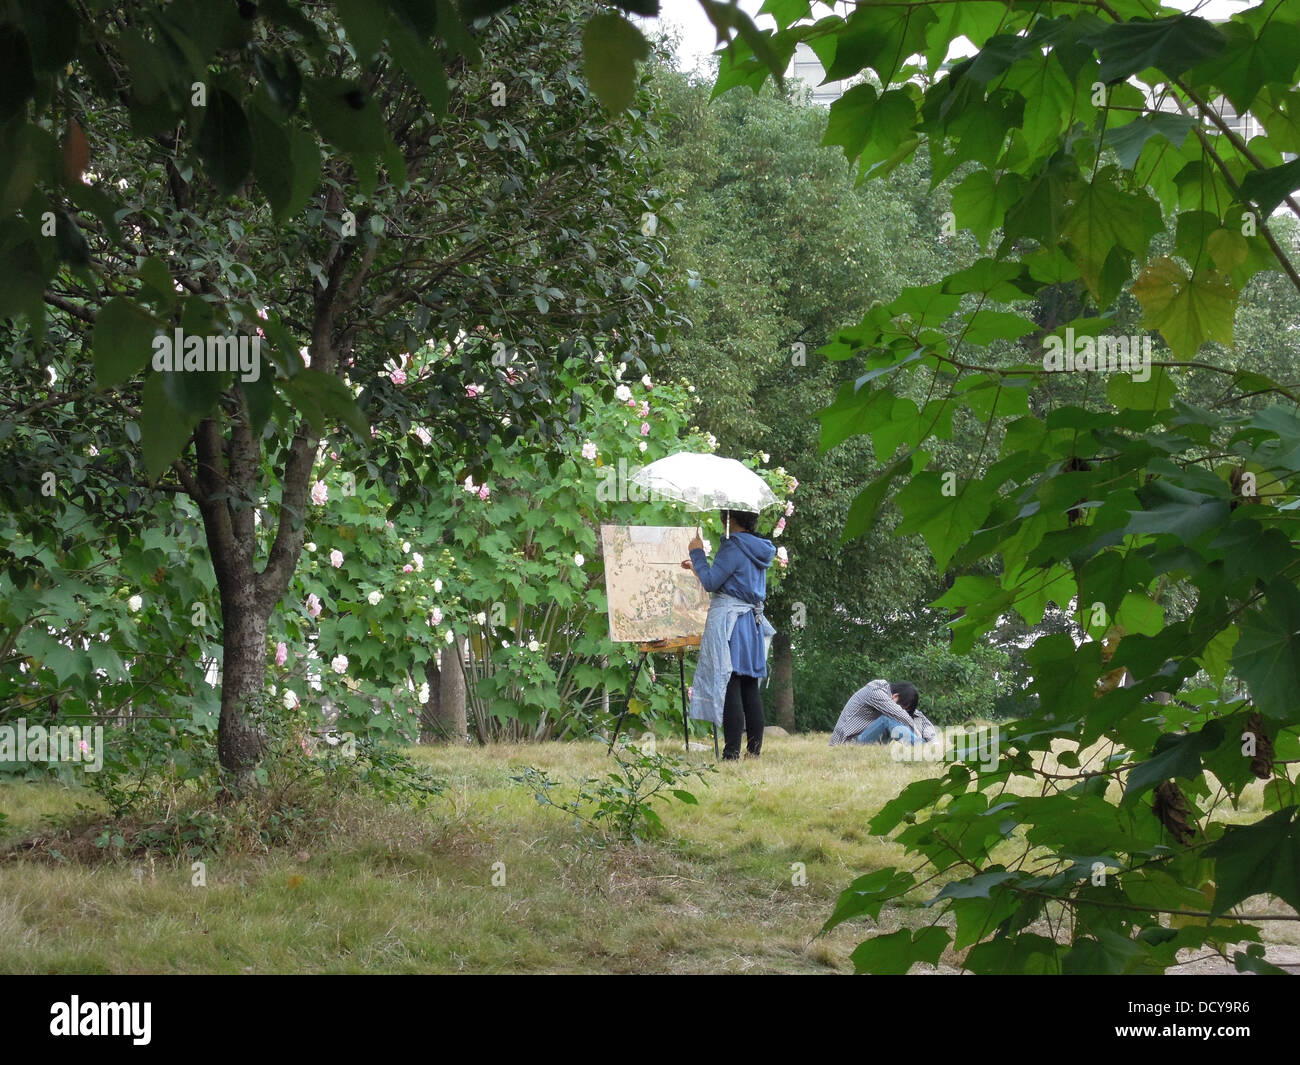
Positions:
{"x": 907, "y": 694}
{"x": 746, "y": 519}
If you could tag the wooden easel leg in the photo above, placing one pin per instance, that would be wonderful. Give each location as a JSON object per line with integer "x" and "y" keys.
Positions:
{"x": 628, "y": 702}
{"x": 686, "y": 726}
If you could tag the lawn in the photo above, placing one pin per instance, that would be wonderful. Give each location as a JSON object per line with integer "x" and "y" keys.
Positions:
{"x": 742, "y": 883}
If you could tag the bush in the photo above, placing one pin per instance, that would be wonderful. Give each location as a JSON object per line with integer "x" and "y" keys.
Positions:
{"x": 954, "y": 688}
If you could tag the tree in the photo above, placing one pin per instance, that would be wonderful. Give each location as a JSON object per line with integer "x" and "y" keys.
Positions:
{"x": 1095, "y": 128}
{"x": 326, "y": 145}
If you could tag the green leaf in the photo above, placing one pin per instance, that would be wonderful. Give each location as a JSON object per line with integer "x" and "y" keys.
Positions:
{"x": 17, "y": 80}
{"x": 363, "y": 21}
{"x": 166, "y": 429}
{"x": 346, "y": 116}
{"x": 1263, "y": 858}
{"x": 325, "y": 400}
{"x": 122, "y": 341}
{"x": 944, "y": 510}
{"x": 1248, "y": 63}
{"x": 611, "y": 47}
{"x": 1174, "y": 756}
{"x": 422, "y": 64}
{"x": 894, "y": 954}
{"x": 1106, "y": 218}
{"x": 1268, "y": 188}
{"x": 1128, "y": 140}
{"x": 1170, "y": 45}
{"x": 1187, "y": 310}
{"x": 1267, "y": 655}
{"x": 224, "y": 141}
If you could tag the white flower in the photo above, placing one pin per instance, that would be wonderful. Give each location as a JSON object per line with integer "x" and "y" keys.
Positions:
{"x": 533, "y": 645}
{"x": 93, "y": 451}
{"x": 469, "y": 485}
{"x": 374, "y": 597}
{"x": 309, "y": 546}
{"x": 437, "y": 585}
{"x": 645, "y": 380}
{"x": 766, "y": 457}
{"x": 319, "y": 493}
{"x": 690, "y": 388}
{"x": 641, "y": 446}
{"x": 406, "y": 547}
{"x": 578, "y": 560}
{"x": 423, "y": 435}
{"x": 789, "y": 508}
{"x": 290, "y": 699}
{"x": 480, "y": 618}
{"x": 781, "y": 556}
{"x": 622, "y": 393}
{"x": 306, "y": 356}
{"x": 618, "y": 371}
{"x": 589, "y": 451}
{"x": 423, "y": 694}
{"x": 339, "y": 663}
{"x": 418, "y": 559}
{"x": 336, "y": 558}
{"x": 435, "y": 617}
{"x": 134, "y": 603}
{"x": 449, "y": 635}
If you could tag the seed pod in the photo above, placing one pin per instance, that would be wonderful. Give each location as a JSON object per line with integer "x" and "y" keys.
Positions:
{"x": 1171, "y": 809}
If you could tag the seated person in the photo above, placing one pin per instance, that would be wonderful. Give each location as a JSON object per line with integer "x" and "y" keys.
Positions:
{"x": 880, "y": 712}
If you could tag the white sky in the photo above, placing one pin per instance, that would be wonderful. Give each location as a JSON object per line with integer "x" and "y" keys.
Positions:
{"x": 698, "y": 37}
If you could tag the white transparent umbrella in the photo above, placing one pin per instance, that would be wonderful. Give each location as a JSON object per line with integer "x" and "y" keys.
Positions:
{"x": 706, "y": 482}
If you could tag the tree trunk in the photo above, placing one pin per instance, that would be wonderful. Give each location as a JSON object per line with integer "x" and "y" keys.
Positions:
{"x": 782, "y": 682}
{"x": 431, "y": 712}
{"x": 243, "y": 676}
{"x": 443, "y": 718}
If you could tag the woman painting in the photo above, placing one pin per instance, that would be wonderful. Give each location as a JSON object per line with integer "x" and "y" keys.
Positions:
{"x": 733, "y": 651}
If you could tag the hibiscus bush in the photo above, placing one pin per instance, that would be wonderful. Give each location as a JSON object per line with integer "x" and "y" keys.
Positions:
{"x": 502, "y": 559}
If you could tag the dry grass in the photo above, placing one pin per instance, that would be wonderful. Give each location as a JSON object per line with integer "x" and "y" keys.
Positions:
{"x": 396, "y": 891}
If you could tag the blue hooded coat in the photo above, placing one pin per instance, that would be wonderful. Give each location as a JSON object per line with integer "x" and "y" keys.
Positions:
{"x": 737, "y": 580}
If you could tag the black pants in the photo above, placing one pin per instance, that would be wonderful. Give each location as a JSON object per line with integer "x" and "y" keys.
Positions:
{"x": 742, "y": 712}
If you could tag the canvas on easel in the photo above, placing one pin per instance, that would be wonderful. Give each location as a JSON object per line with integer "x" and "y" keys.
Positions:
{"x": 651, "y": 598}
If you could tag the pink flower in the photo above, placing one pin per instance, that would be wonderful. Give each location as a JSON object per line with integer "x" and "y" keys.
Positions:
{"x": 336, "y": 558}
{"x": 261, "y": 313}
{"x": 435, "y": 617}
{"x": 632, "y": 404}
{"x": 483, "y": 491}
{"x": 473, "y": 391}
{"x": 589, "y": 451}
{"x": 313, "y": 605}
{"x": 645, "y": 428}
{"x": 398, "y": 377}
{"x": 319, "y": 493}
{"x": 789, "y": 508}
{"x": 281, "y": 653}
{"x": 782, "y": 557}
{"x": 373, "y": 432}
{"x": 644, "y": 409}
{"x": 780, "y": 528}
{"x": 388, "y": 524}
{"x": 334, "y": 455}
{"x": 794, "y": 483}
{"x": 407, "y": 569}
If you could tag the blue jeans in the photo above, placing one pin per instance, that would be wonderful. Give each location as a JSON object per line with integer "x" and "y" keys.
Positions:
{"x": 884, "y": 729}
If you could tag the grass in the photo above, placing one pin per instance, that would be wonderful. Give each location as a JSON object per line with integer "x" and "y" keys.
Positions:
{"x": 396, "y": 891}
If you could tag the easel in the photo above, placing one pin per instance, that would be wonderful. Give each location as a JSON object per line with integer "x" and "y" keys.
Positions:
{"x": 677, "y": 646}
